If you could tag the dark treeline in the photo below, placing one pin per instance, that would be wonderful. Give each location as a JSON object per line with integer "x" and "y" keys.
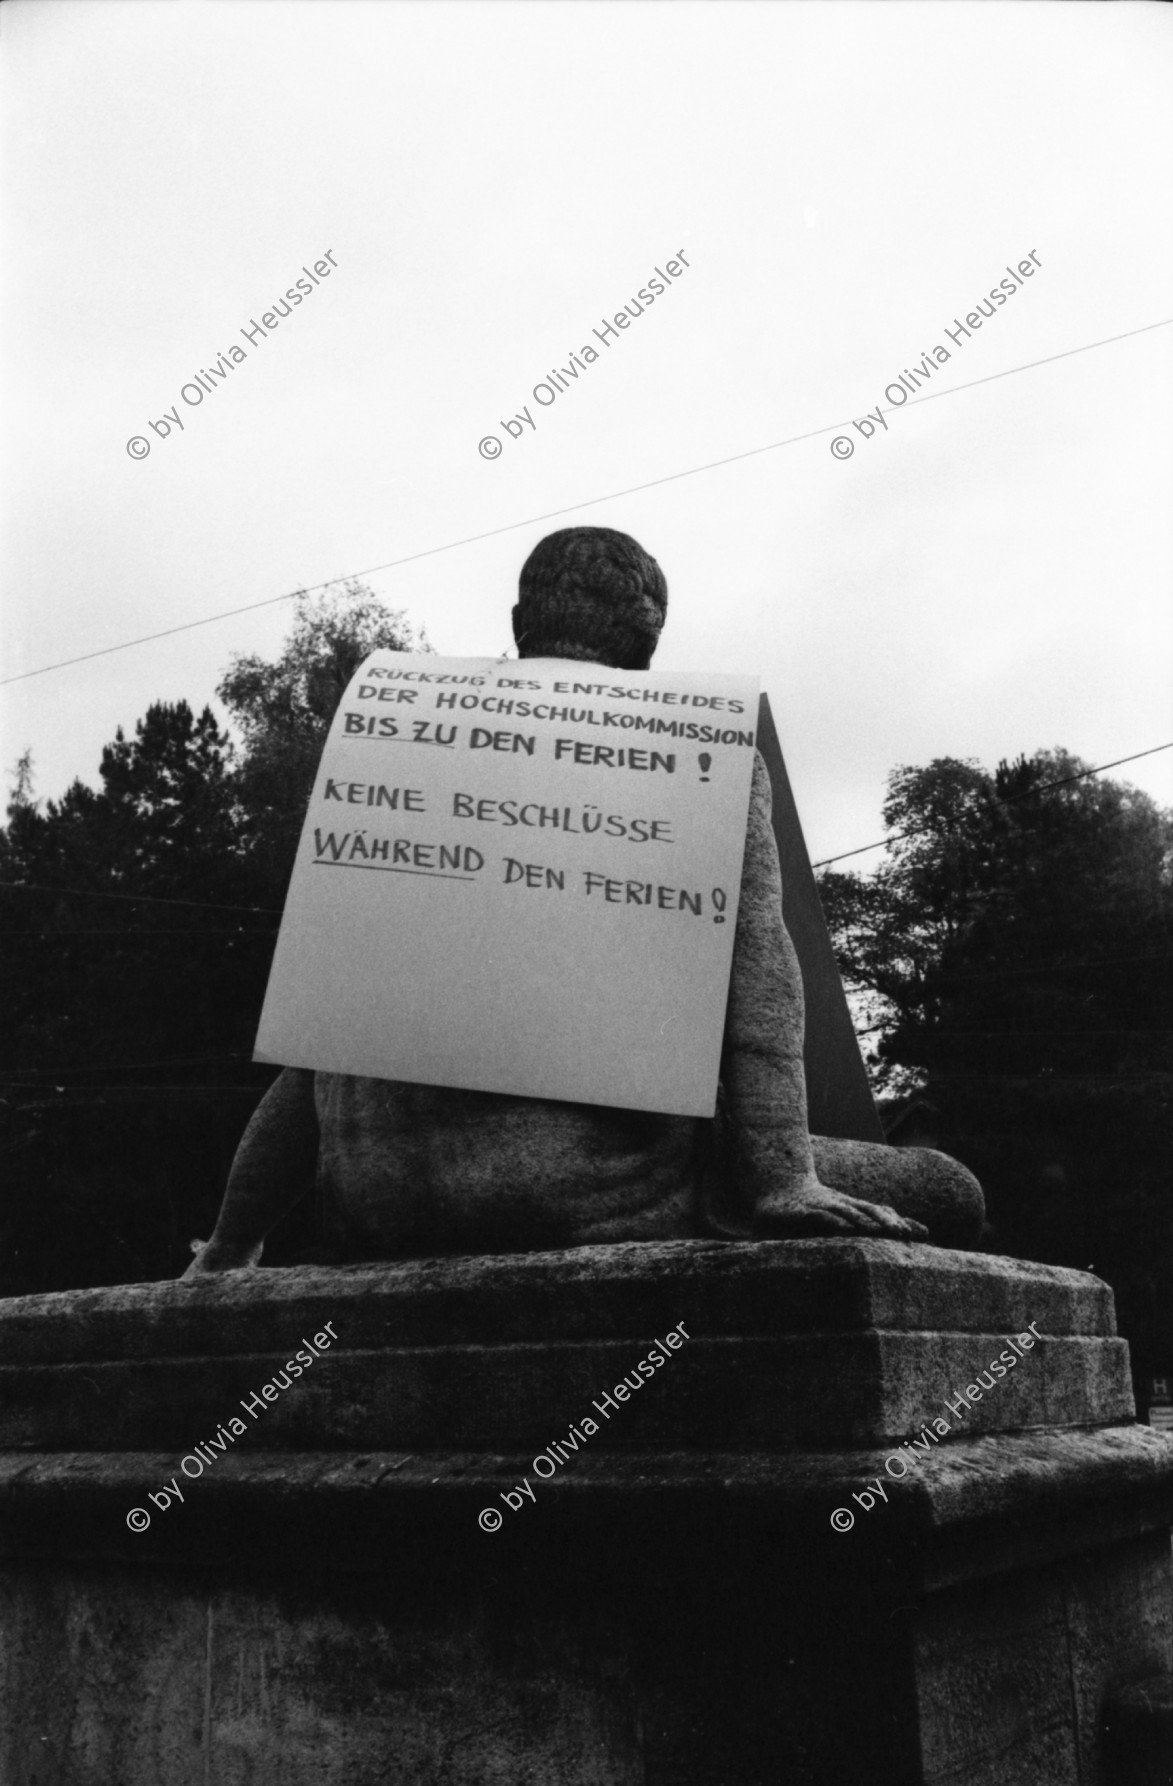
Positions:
{"x": 129, "y": 1021}
{"x": 1017, "y": 947}
{"x": 1015, "y": 950}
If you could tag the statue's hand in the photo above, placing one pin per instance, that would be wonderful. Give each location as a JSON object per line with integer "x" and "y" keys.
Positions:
{"x": 811, "y": 1210}
{"x": 213, "y": 1257}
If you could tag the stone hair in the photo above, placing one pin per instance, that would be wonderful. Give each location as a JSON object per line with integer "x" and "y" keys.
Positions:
{"x": 591, "y": 593}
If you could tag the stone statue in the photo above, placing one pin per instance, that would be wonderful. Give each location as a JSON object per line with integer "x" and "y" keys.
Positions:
{"x": 409, "y": 1169}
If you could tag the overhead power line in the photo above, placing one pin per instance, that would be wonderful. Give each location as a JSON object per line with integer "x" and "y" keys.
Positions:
{"x": 1033, "y": 1079}
{"x": 133, "y": 1066}
{"x": 1042, "y": 787}
{"x": 209, "y": 905}
{"x": 115, "y": 1093}
{"x": 1043, "y": 1076}
{"x": 40, "y": 931}
{"x": 1008, "y": 1035}
{"x": 571, "y": 508}
{"x": 1049, "y": 967}
{"x": 32, "y": 1078}
{"x": 1015, "y": 973}
{"x": 136, "y": 1095}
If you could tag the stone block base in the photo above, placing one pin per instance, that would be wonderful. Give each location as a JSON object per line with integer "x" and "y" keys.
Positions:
{"x": 670, "y": 1608}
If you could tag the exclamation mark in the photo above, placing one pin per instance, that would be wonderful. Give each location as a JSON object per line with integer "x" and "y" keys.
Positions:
{"x": 704, "y": 760}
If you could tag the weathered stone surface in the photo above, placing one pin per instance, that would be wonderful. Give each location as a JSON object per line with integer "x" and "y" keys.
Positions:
{"x": 173, "y": 1684}
{"x": 839, "y": 1098}
{"x": 630, "y": 1290}
{"x": 790, "y": 1390}
{"x": 920, "y": 1182}
{"x": 783, "y": 1349}
{"x": 593, "y": 1639}
{"x": 1138, "y": 1733}
{"x": 999, "y": 1663}
{"x": 673, "y": 1605}
{"x": 973, "y": 1508}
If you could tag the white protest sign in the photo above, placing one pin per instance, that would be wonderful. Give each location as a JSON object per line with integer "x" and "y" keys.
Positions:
{"x": 520, "y": 877}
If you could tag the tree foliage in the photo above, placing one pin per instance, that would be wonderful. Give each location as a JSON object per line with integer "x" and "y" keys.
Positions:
{"x": 139, "y": 919}
{"x": 283, "y": 709}
{"x": 1015, "y": 950}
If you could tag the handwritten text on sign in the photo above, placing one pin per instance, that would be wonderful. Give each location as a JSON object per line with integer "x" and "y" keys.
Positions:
{"x": 520, "y": 877}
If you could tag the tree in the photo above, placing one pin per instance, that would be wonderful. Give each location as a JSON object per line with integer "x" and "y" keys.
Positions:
{"x": 284, "y": 709}
{"x": 140, "y": 919}
{"x": 1016, "y": 952}
{"x": 126, "y": 1048}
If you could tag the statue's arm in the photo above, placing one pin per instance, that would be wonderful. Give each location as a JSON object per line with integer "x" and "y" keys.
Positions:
{"x": 761, "y": 1067}
{"x": 762, "y": 1061}
{"x": 275, "y": 1166}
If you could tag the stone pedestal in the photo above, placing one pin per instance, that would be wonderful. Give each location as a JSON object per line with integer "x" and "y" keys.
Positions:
{"x": 669, "y": 1604}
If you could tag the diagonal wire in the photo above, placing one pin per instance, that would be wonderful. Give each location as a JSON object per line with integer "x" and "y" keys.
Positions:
{"x": 571, "y": 508}
{"x": 1042, "y": 787}
{"x": 137, "y": 898}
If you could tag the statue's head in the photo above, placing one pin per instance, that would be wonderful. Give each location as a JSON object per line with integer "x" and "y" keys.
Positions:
{"x": 593, "y": 594}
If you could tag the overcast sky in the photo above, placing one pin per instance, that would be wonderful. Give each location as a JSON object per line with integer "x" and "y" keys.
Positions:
{"x": 989, "y": 575}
